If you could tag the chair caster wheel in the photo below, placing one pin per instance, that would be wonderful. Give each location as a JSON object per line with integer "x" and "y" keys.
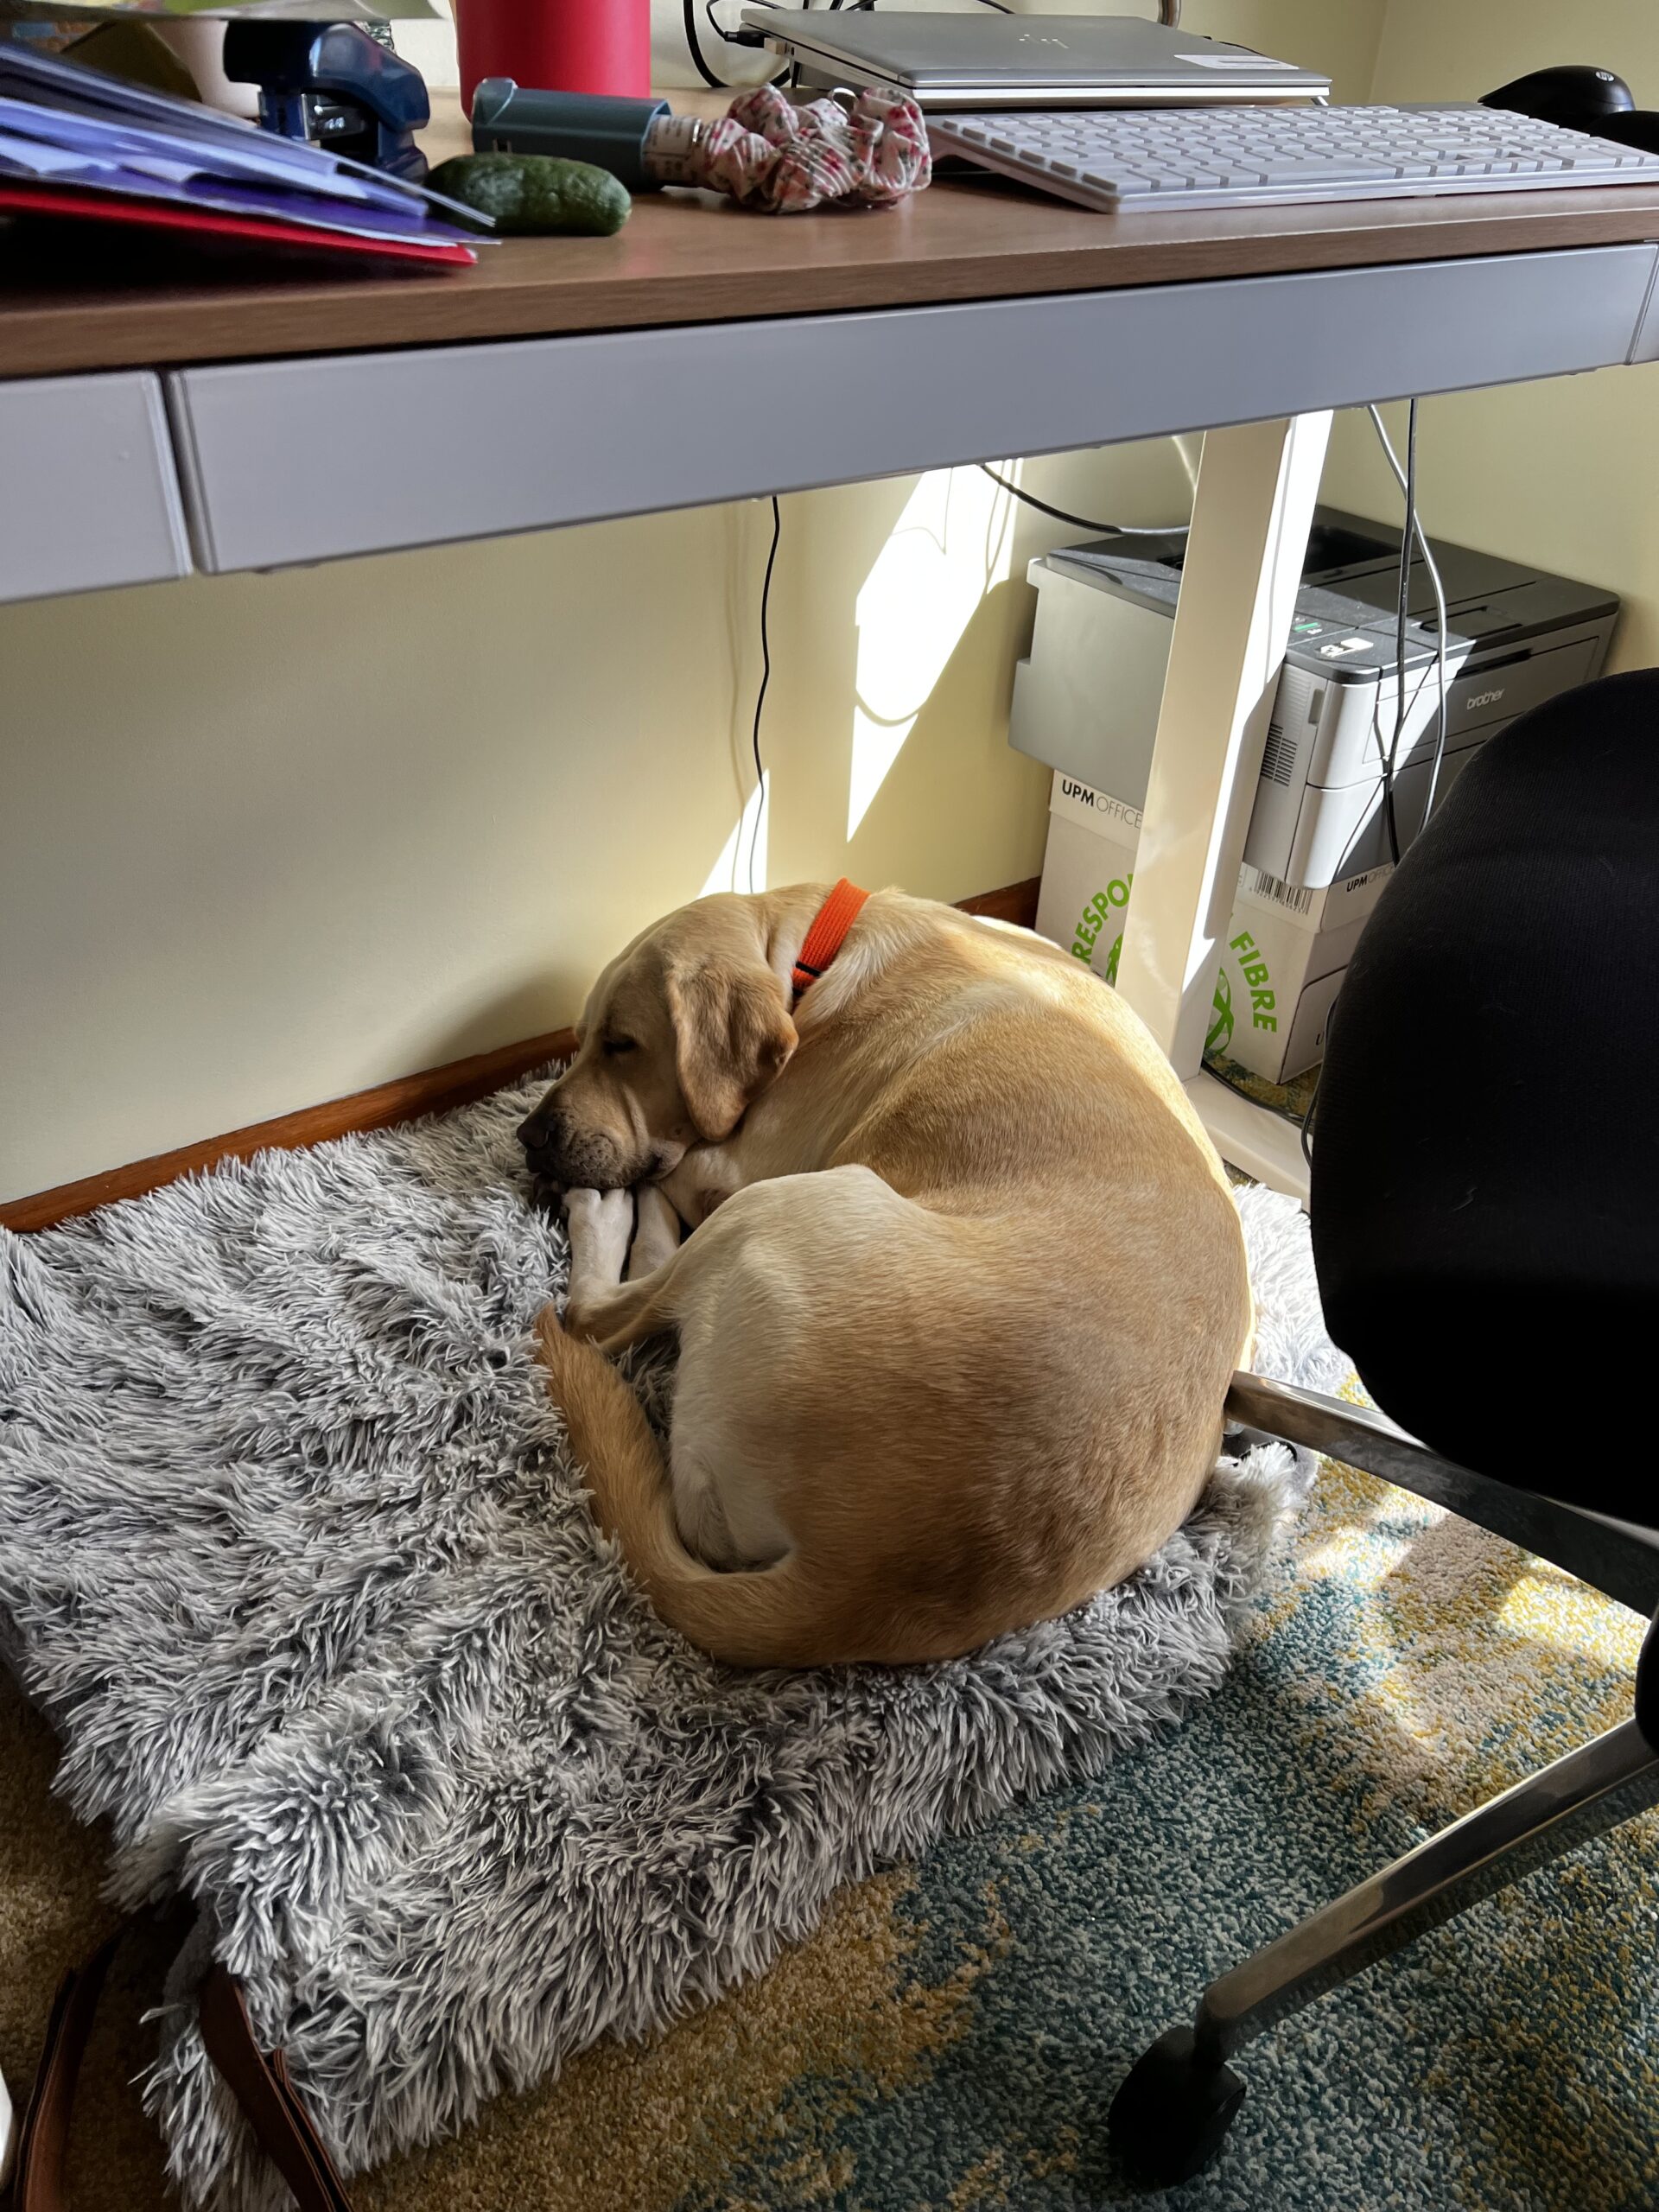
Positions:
{"x": 1169, "y": 2119}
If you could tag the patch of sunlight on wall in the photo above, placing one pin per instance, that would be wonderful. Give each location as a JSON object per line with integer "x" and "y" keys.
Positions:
{"x": 952, "y": 543}
{"x": 742, "y": 862}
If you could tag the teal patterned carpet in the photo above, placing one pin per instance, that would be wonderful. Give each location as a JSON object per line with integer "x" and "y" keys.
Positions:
{"x": 952, "y": 2037}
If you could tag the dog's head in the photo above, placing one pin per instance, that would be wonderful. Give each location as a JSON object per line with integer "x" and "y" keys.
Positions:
{"x": 680, "y": 1034}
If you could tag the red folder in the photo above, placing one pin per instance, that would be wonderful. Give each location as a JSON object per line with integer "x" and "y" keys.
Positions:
{"x": 23, "y": 196}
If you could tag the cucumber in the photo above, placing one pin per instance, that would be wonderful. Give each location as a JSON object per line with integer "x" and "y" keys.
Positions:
{"x": 533, "y": 195}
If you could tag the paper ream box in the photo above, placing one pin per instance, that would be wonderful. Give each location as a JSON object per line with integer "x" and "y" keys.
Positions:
{"x": 1280, "y": 969}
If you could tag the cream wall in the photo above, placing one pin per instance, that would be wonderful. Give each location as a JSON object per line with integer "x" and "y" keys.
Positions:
{"x": 1563, "y": 473}
{"x": 268, "y": 840}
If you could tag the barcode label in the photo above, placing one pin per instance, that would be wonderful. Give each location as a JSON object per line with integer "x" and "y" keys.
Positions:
{"x": 1296, "y": 896}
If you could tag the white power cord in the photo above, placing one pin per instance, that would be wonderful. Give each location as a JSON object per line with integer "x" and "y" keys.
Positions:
{"x": 1415, "y": 528}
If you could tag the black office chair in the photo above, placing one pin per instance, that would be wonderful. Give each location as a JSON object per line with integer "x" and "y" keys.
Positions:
{"x": 1485, "y": 1185}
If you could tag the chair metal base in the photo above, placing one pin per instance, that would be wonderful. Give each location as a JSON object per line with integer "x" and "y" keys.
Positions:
{"x": 1602, "y": 1553}
{"x": 1173, "y": 2109}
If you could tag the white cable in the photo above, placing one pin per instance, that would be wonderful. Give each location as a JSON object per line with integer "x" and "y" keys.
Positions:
{"x": 1415, "y": 528}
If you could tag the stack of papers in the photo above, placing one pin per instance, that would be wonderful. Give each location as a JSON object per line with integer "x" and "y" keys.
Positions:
{"x": 75, "y": 142}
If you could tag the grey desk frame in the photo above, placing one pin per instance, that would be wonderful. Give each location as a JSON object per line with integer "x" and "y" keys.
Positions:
{"x": 315, "y": 458}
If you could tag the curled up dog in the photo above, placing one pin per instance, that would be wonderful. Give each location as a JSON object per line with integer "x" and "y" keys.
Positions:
{"x": 962, "y": 1290}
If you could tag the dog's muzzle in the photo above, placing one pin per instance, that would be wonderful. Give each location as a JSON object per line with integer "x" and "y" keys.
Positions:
{"x": 574, "y": 1159}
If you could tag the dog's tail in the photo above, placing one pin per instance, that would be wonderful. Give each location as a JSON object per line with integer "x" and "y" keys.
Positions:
{"x": 769, "y": 1617}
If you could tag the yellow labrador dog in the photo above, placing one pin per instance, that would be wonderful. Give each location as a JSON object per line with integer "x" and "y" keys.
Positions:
{"x": 962, "y": 1293}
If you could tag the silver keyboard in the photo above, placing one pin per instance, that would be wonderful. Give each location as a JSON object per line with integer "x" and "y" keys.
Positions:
{"x": 1262, "y": 156}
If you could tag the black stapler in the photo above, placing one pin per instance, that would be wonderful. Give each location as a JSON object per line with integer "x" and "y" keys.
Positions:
{"x": 334, "y": 86}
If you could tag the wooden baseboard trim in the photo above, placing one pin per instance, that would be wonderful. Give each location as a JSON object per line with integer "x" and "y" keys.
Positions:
{"x": 435, "y": 1090}
{"x": 1015, "y": 902}
{"x": 432, "y": 1092}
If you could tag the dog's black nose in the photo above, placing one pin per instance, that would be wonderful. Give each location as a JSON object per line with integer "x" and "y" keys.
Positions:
{"x": 533, "y": 1133}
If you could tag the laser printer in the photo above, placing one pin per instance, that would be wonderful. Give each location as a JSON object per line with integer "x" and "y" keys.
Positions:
{"x": 1086, "y": 700}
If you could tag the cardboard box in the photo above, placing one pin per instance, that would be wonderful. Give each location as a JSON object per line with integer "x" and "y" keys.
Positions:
{"x": 1286, "y": 947}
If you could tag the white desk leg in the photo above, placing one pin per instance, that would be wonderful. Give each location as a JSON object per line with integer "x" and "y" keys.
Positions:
{"x": 1257, "y": 489}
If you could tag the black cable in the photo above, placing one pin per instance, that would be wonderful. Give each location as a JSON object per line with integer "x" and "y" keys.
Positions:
{"x": 1390, "y": 820}
{"x": 729, "y": 38}
{"x": 760, "y": 696}
{"x": 695, "y": 50}
{"x": 1081, "y": 522}
{"x": 1425, "y": 553}
{"x": 754, "y": 39}
{"x": 751, "y": 40}
{"x": 1307, "y": 1119}
{"x": 1406, "y": 478}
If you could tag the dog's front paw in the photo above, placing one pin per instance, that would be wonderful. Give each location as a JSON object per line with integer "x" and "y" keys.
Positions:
{"x": 600, "y": 1224}
{"x": 657, "y": 1232}
{"x": 597, "y": 1213}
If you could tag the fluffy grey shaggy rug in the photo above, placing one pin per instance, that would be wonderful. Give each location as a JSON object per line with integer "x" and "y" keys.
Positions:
{"x": 292, "y": 1555}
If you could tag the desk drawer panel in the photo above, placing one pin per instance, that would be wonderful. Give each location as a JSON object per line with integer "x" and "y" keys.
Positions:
{"x": 308, "y": 460}
{"x": 87, "y": 486}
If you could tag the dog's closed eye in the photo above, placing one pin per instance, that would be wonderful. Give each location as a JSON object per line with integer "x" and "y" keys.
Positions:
{"x": 612, "y": 1046}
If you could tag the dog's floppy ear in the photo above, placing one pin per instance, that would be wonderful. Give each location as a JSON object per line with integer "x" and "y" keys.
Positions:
{"x": 731, "y": 1037}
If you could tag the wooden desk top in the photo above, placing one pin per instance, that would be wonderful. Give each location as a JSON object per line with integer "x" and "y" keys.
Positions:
{"x": 680, "y": 259}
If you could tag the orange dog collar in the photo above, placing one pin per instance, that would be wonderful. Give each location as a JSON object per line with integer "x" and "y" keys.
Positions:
{"x": 827, "y": 933}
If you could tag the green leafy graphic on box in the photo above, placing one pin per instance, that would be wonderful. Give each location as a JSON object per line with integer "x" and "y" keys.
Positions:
{"x": 1221, "y": 1022}
{"x": 1086, "y": 936}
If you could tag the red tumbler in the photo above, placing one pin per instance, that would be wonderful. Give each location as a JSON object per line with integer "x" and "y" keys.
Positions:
{"x": 556, "y": 46}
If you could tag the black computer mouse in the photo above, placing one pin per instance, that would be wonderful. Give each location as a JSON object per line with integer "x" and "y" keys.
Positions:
{"x": 1575, "y": 94}
{"x": 1637, "y": 126}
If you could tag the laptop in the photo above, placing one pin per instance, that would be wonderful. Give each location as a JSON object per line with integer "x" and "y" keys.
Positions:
{"x": 987, "y": 60}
